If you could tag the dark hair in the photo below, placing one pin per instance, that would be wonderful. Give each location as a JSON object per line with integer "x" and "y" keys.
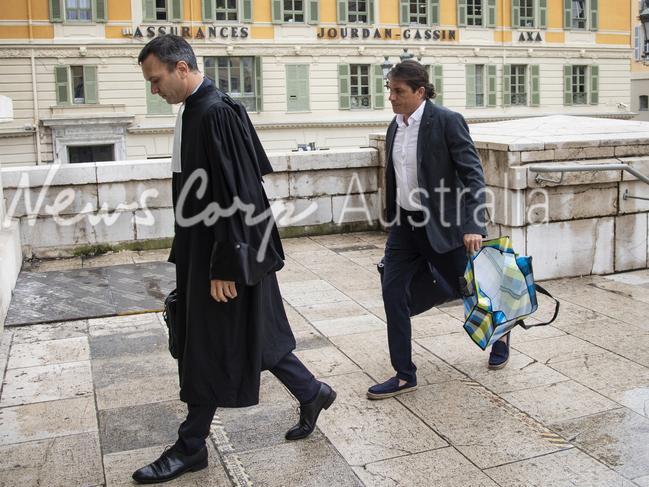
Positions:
{"x": 169, "y": 49}
{"x": 414, "y": 75}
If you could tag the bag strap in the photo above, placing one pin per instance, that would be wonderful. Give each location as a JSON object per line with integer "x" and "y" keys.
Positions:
{"x": 542, "y": 290}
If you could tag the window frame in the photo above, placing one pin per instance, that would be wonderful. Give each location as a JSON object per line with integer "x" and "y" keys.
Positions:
{"x": 247, "y": 99}
{"x": 580, "y": 97}
{"x": 418, "y": 15}
{"x": 67, "y": 9}
{"x": 521, "y": 17}
{"x": 473, "y": 17}
{"x": 643, "y": 107}
{"x": 359, "y": 86}
{"x": 515, "y": 82}
{"x": 226, "y": 11}
{"x": 358, "y": 13}
{"x": 586, "y": 9}
{"x": 293, "y": 11}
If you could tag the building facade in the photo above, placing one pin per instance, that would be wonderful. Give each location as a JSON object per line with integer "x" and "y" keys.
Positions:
{"x": 309, "y": 71}
{"x": 639, "y": 64}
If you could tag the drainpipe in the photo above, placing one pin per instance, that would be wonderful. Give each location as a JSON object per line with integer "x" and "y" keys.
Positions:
{"x": 36, "y": 122}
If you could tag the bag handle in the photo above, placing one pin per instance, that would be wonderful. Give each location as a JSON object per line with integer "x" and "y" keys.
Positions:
{"x": 542, "y": 290}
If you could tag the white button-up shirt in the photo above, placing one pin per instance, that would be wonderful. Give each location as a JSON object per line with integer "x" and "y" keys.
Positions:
{"x": 404, "y": 158}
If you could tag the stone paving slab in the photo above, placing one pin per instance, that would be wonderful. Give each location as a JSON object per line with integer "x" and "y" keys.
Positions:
{"x": 87, "y": 400}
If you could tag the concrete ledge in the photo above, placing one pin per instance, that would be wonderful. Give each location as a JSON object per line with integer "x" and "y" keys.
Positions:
{"x": 10, "y": 264}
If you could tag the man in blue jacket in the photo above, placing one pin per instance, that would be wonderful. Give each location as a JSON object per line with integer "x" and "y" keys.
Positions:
{"x": 435, "y": 205}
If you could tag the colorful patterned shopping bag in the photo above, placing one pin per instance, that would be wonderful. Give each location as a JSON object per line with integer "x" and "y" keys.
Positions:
{"x": 499, "y": 291}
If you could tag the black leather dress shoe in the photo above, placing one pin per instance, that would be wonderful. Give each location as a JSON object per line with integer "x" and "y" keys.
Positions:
{"x": 171, "y": 464}
{"x": 309, "y": 413}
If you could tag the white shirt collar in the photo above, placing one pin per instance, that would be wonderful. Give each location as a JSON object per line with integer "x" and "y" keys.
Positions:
{"x": 415, "y": 117}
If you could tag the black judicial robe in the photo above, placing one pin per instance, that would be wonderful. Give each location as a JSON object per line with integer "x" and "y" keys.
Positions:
{"x": 225, "y": 346}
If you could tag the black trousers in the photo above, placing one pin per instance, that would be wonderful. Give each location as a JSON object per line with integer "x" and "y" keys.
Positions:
{"x": 406, "y": 246}
{"x": 290, "y": 372}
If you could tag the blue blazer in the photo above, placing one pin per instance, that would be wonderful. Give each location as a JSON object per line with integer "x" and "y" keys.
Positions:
{"x": 448, "y": 162}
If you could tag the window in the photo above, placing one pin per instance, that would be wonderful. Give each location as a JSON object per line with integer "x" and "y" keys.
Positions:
{"x": 162, "y": 10}
{"x": 526, "y": 15}
{"x": 480, "y": 85}
{"x": 519, "y": 84}
{"x": 91, "y": 153}
{"x": 155, "y": 104}
{"x": 297, "y": 87}
{"x": 578, "y": 14}
{"x": 579, "y": 91}
{"x": 226, "y": 9}
{"x": 240, "y": 77}
{"x": 78, "y": 10}
{"x": 361, "y": 87}
{"x": 358, "y": 11}
{"x": 644, "y": 103}
{"x": 580, "y": 85}
{"x": 418, "y": 13}
{"x": 359, "y": 76}
{"x": 474, "y": 12}
{"x": 581, "y": 14}
{"x": 293, "y": 10}
{"x": 75, "y": 84}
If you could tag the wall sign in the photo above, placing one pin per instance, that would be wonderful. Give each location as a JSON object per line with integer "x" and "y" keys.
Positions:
{"x": 364, "y": 33}
{"x": 203, "y": 32}
{"x": 530, "y": 37}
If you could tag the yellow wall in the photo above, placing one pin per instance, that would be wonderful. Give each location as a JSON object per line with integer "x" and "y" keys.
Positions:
{"x": 388, "y": 11}
{"x": 192, "y": 11}
{"x": 615, "y": 15}
{"x": 503, "y": 36}
{"x": 619, "y": 39}
{"x": 119, "y": 10}
{"x": 555, "y": 14}
{"x": 13, "y": 10}
{"x": 559, "y": 37}
{"x": 262, "y": 32}
{"x": 447, "y": 12}
{"x": 261, "y": 11}
{"x": 328, "y": 11}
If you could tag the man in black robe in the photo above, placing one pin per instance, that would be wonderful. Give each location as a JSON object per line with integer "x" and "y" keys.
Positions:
{"x": 230, "y": 318}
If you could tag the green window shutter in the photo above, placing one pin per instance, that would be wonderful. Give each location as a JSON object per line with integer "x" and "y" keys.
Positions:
{"x": 343, "y": 87}
{"x": 461, "y": 13}
{"x": 535, "y": 82}
{"x": 176, "y": 14}
{"x": 99, "y": 10}
{"x": 516, "y": 13}
{"x": 246, "y": 11}
{"x": 148, "y": 13}
{"x": 594, "y": 85}
{"x": 507, "y": 85}
{"x": 62, "y": 83}
{"x": 378, "y": 93}
{"x": 436, "y": 74}
{"x": 543, "y": 14}
{"x": 594, "y": 15}
{"x": 56, "y": 11}
{"x": 155, "y": 104}
{"x": 370, "y": 8}
{"x": 208, "y": 11}
{"x": 297, "y": 87}
{"x": 470, "y": 85}
{"x": 314, "y": 11}
{"x": 259, "y": 100}
{"x": 491, "y": 13}
{"x": 491, "y": 85}
{"x": 341, "y": 11}
{"x": 567, "y": 14}
{"x": 404, "y": 12}
{"x": 567, "y": 85}
{"x": 90, "y": 84}
{"x": 278, "y": 12}
{"x": 433, "y": 12}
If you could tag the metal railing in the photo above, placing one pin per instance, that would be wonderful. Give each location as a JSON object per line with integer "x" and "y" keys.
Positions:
{"x": 550, "y": 168}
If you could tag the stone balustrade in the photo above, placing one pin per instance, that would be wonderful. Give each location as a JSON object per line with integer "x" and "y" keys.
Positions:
{"x": 72, "y": 208}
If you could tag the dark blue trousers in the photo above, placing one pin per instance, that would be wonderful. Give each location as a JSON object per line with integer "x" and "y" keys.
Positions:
{"x": 290, "y": 372}
{"x": 406, "y": 246}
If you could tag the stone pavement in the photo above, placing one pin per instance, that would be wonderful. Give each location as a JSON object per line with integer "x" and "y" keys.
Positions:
{"x": 85, "y": 402}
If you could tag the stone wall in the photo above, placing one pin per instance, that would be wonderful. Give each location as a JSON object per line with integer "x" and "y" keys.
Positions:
{"x": 84, "y": 207}
{"x": 574, "y": 225}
